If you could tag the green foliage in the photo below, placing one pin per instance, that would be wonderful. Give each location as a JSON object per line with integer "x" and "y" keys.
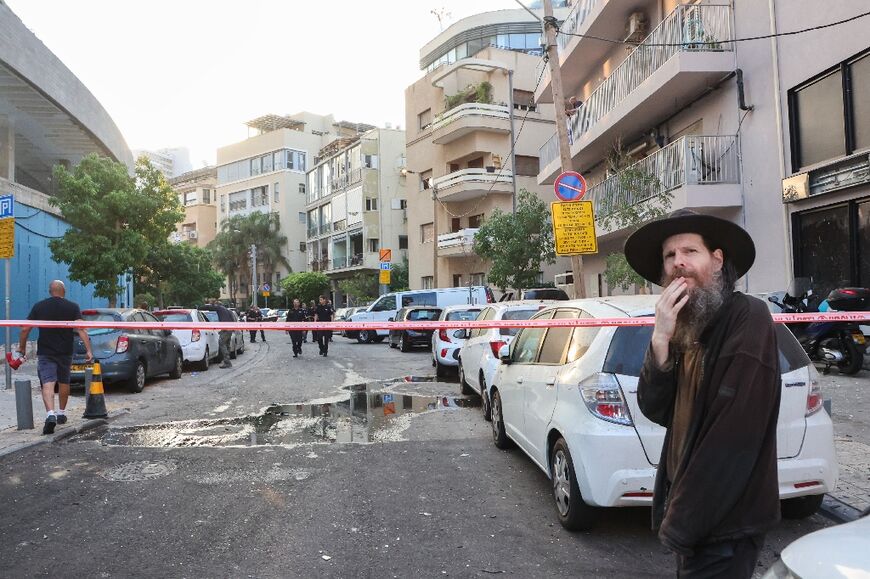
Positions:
{"x": 361, "y": 287}
{"x": 399, "y": 276}
{"x": 305, "y": 285}
{"x": 517, "y": 244}
{"x": 177, "y": 274}
{"x": 619, "y": 274}
{"x": 114, "y": 219}
{"x": 473, "y": 93}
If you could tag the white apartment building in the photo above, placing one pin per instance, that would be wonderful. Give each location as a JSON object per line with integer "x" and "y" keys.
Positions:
{"x": 356, "y": 206}
{"x": 772, "y": 133}
{"x": 171, "y": 161}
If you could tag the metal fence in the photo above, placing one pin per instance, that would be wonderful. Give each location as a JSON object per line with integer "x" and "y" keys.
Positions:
{"x": 581, "y": 11}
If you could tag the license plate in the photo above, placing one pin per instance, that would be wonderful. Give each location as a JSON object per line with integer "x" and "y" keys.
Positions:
{"x": 79, "y": 367}
{"x": 859, "y": 338}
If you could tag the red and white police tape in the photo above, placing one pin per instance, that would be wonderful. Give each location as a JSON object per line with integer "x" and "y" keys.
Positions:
{"x": 856, "y": 317}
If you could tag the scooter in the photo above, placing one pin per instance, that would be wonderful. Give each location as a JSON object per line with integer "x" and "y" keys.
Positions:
{"x": 839, "y": 344}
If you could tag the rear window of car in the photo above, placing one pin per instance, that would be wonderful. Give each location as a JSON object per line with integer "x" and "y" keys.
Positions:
{"x": 515, "y": 315}
{"x": 100, "y": 317}
{"x": 462, "y": 315}
{"x": 791, "y": 354}
{"x": 174, "y": 317}
{"x": 420, "y": 315}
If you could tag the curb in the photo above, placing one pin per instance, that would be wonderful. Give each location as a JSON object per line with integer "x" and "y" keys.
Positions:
{"x": 66, "y": 433}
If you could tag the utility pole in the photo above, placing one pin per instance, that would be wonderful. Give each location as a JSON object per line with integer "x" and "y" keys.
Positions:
{"x": 254, "y": 274}
{"x": 549, "y": 24}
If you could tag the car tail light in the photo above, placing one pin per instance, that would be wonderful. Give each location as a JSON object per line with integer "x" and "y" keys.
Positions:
{"x": 442, "y": 335}
{"x": 444, "y": 352}
{"x": 495, "y": 347}
{"x": 603, "y": 398}
{"x": 814, "y": 394}
{"x": 123, "y": 344}
{"x": 89, "y": 312}
{"x": 194, "y": 336}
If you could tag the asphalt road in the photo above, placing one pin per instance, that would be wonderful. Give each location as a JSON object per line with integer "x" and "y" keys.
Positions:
{"x": 427, "y": 495}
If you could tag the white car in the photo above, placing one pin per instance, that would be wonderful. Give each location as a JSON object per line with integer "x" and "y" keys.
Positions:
{"x": 478, "y": 358}
{"x": 568, "y": 398}
{"x": 198, "y": 346}
{"x": 446, "y": 343}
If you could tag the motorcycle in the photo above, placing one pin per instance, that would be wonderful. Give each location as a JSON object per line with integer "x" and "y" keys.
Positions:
{"x": 839, "y": 344}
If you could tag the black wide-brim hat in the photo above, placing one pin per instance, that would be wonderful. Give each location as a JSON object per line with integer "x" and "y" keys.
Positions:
{"x": 643, "y": 248}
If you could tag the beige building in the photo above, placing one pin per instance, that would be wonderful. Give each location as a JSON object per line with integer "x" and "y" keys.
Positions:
{"x": 266, "y": 173}
{"x": 198, "y": 196}
{"x": 772, "y": 133}
{"x": 356, "y": 206}
{"x": 459, "y": 163}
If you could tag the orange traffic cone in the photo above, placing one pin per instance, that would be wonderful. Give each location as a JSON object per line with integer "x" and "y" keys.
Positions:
{"x": 95, "y": 400}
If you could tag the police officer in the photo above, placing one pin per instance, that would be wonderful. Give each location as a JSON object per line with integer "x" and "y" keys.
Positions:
{"x": 323, "y": 313}
{"x": 297, "y": 315}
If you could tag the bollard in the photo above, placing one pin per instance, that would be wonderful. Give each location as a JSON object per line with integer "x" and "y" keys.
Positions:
{"x": 24, "y": 404}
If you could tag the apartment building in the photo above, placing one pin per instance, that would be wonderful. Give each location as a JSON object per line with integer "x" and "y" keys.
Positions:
{"x": 266, "y": 173}
{"x": 197, "y": 194}
{"x": 171, "y": 161}
{"x": 479, "y": 80}
{"x": 772, "y": 133}
{"x": 357, "y": 206}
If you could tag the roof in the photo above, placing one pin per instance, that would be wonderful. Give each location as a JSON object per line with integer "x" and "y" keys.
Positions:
{"x": 358, "y": 127}
{"x": 270, "y": 122}
{"x": 195, "y": 175}
{"x": 613, "y": 306}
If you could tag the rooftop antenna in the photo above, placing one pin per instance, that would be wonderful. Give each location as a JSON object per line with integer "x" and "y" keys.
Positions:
{"x": 441, "y": 14}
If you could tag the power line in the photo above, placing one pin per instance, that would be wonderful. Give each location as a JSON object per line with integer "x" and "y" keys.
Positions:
{"x": 717, "y": 42}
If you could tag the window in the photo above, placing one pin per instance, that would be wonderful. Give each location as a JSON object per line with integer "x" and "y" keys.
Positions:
{"x": 302, "y": 188}
{"x": 370, "y": 161}
{"x": 206, "y": 195}
{"x": 223, "y": 204}
{"x": 275, "y": 195}
{"x": 302, "y": 246}
{"x": 424, "y": 119}
{"x": 859, "y": 77}
{"x": 403, "y": 242}
{"x": 524, "y": 100}
{"x": 302, "y": 217}
{"x": 525, "y": 347}
{"x": 527, "y": 166}
{"x": 374, "y": 244}
{"x": 425, "y": 180}
{"x": 427, "y": 282}
{"x": 259, "y": 196}
{"x": 485, "y": 315}
{"x": 478, "y": 278}
{"x": 267, "y": 163}
{"x": 457, "y": 280}
{"x": 427, "y": 233}
{"x": 238, "y": 201}
{"x": 556, "y": 341}
{"x": 255, "y": 166}
{"x": 190, "y": 198}
{"x": 371, "y": 204}
{"x": 475, "y": 221}
{"x": 403, "y": 203}
{"x": 515, "y": 315}
{"x": 385, "y": 304}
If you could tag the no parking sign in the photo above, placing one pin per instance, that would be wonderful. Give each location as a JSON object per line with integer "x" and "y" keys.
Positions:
{"x": 570, "y": 186}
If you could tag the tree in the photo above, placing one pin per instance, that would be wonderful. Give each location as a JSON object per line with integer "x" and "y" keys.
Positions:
{"x": 399, "y": 276}
{"x": 305, "y": 285}
{"x": 361, "y": 287}
{"x": 517, "y": 244}
{"x": 178, "y": 274}
{"x": 114, "y": 219}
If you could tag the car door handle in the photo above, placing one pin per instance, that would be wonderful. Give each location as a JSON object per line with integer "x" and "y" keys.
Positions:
{"x": 550, "y": 382}
{"x": 520, "y": 380}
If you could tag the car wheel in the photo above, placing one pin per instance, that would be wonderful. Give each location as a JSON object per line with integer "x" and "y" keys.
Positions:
{"x": 403, "y": 345}
{"x": 499, "y": 436}
{"x": 136, "y": 382}
{"x": 241, "y": 344}
{"x": 486, "y": 406}
{"x": 202, "y": 366}
{"x": 440, "y": 369}
{"x": 853, "y": 360}
{"x": 464, "y": 386}
{"x": 364, "y": 337}
{"x": 175, "y": 374}
{"x": 392, "y": 345}
{"x": 801, "y": 507}
{"x": 574, "y": 513}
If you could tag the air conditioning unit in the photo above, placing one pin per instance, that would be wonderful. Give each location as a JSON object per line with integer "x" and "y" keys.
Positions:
{"x": 191, "y": 234}
{"x": 636, "y": 28}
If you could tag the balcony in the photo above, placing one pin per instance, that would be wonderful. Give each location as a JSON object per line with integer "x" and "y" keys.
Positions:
{"x": 698, "y": 171}
{"x": 325, "y": 228}
{"x": 468, "y": 118}
{"x": 339, "y": 262}
{"x": 458, "y": 244}
{"x": 676, "y": 63}
{"x": 312, "y": 232}
{"x": 470, "y": 183}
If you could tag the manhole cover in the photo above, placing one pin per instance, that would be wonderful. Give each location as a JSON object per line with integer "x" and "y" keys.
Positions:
{"x": 139, "y": 471}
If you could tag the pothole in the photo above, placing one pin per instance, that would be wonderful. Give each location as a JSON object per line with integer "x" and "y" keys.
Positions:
{"x": 368, "y": 414}
{"x": 139, "y": 471}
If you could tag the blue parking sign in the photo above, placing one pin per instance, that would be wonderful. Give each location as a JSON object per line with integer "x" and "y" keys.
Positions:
{"x": 7, "y": 206}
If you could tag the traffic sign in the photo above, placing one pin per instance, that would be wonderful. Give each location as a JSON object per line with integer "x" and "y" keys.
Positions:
{"x": 7, "y": 238}
{"x": 570, "y": 186}
{"x": 574, "y": 228}
{"x": 266, "y": 294}
{"x": 7, "y": 206}
{"x": 266, "y": 287}
{"x": 386, "y": 255}
{"x": 384, "y": 278}
{"x": 386, "y": 266}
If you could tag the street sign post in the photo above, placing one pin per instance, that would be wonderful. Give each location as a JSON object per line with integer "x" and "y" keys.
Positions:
{"x": 574, "y": 228}
{"x": 570, "y": 186}
{"x": 384, "y": 277}
{"x": 7, "y": 252}
{"x": 386, "y": 255}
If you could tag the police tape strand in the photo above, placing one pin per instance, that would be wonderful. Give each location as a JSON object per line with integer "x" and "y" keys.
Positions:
{"x": 855, "y": 317}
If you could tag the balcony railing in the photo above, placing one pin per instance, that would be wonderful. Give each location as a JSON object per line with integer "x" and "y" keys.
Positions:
{"x": 695, "y": 28}
{"x": 325, "y": 228}
{"x": 582, "y": 9}
{"x": 356, "y": 259}
{"x": 312, "y": 232}
{"x": 351, "y": 177}
{"x": 472, "y": 176}
{"x": 339, "y": 262}
{"x": 464, "y": 238}
{"x": 340, "y": 225}
{"x": 690, "y": 160}
{"x": 469, "y": 109}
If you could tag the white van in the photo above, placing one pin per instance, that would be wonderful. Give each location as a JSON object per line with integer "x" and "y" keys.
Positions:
{"x": 386, "y": 306}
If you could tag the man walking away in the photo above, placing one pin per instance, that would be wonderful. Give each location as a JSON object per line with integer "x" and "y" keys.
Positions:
{"x": 711, "y": 377}
{"x": 323, "y": 313}
{"x": 255, "y": 315}
{"x": 54, "y": 350}
{"x": 224, "y": 336}
{"x": 296, "y": 315}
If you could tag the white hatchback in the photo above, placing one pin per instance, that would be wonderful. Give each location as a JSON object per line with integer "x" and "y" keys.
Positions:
{"x": 568, "y": 398}
{"x": 447, "y": 343}
{"x": 198, "y": 346}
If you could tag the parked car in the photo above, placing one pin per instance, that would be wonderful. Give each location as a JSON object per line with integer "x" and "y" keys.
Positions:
{"x": 478, "y": 358}
{"x": 200, "y": 347}
{"x": 237, "y": 340}
{"x": 541, "y": 293}
{"x": 347, "y": 314}
{"x": 127, "y": 355}
{"x": 568, "y": 398}
{"x": 407, "y": 339}
{"x": 387, "y": 306}
{"x": 447, "y": 343}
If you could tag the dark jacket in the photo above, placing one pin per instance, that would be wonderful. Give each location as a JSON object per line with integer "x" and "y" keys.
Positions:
{"x": 725, "y": 486}
{"x": 224, "y": 315}
{"x": 323, "y": 313}
{"x": 253, "y": 315}
{"x": 294, "y": 315}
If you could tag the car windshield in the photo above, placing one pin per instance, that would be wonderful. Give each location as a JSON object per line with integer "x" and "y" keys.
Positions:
{"x": 173, "y": 317}
{"x": 462, "y": 315}
{"x": 419, "y": 315}
{"x": 515, "y": 315}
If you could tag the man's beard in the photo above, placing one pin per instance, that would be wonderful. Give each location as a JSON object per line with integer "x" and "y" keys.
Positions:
{"x": 703, "y": 305}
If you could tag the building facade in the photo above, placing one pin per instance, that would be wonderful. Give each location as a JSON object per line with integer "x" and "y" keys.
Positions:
{"x": 357, "y": 206}
{"x": 479, "y": 82}
{"x": 768, "y": 133}
{"x": 197, "y": 194}
{"x": 171, "y": 161}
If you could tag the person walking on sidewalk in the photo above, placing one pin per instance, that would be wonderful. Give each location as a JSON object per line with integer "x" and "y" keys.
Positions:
{"x": 54, "y": 350}
{"x": 711, "y": 377}
{"x": 224, "y": 336}
{"x": 297, "y": 315}
{"x": 255, "y": 315}
{"x": 323, "y": 313}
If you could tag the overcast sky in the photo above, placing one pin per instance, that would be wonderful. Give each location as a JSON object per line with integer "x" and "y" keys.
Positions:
{"x": 191, "y": 72}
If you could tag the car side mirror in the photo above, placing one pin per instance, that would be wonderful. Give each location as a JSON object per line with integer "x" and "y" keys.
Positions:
{"x": 391, "y": 319}
{"x": 461, "y": 334}
{"x": 504, "y": 354}
{"x": 772, "y": 299}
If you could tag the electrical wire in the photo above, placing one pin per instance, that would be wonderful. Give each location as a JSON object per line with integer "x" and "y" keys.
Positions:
{"x": 27, "y": 229}
{"x": 642, "y": 44}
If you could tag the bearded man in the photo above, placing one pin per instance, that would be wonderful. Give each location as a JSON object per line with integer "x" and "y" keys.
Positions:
{"x": 711, "y": 377}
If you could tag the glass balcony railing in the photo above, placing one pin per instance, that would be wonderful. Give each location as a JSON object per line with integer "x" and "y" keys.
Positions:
{"x": 339, "y": 262}
{"x": 312, "y": 232}
{"x": 579, "y": 14}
